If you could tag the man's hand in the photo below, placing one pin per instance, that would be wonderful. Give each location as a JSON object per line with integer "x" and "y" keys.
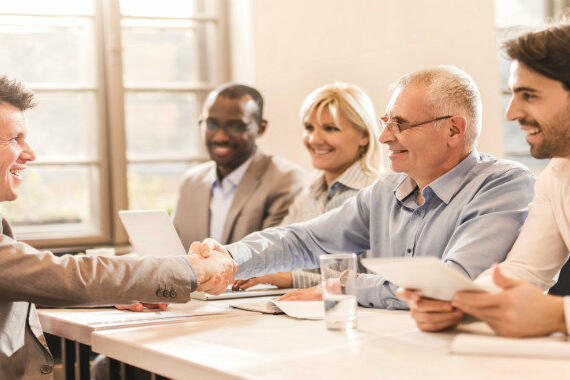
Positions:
{"x": 429, "y": 314}
{"x": 520, "y": 310}
{"x": 207, "y": 247}
{"x": 140, "y": 306}
{"x": 308, "y": 294}
{"x": 281, "y": 280}
{"x": 214, "y": 269}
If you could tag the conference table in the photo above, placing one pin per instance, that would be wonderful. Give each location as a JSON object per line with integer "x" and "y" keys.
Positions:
{"x": 236, "y": 344}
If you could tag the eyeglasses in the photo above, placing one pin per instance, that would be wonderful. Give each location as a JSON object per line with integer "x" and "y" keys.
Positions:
{"x": 395, "y": 127}
{"x": 233, "y": 127}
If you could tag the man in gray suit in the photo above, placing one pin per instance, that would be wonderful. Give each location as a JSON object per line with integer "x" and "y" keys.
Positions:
{"x": 28, "y": 276}
{"x": 242, "y": 189}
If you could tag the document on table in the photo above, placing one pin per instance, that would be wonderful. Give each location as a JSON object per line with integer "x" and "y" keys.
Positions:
{"x": 302, "y": 309}
{"x": 296, "y": 309}
{"x": 545, "y": 347}
{"x": 265, "y": 307}
{"x": 99, "y": 319}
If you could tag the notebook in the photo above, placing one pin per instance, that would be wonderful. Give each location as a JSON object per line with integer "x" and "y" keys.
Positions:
{"x": 259, "y": 290}
{"x": 544, "y": 347}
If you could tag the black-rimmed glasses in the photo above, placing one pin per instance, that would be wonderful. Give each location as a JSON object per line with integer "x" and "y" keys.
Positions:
{"x": 233, "y": 127}
{"x": 395, "y": 127}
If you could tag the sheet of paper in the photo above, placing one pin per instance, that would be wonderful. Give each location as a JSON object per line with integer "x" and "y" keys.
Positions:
{"x": 549, "y": 347}
{"x": 265, "y": 307}
{"x": 97, "y": 319}
{"x": 302, "y": 309}
{"x": 433, "y": 278}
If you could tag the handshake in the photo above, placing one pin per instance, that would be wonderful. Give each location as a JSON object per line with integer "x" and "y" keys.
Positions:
{"x": 214, "y": 269}
{"x": 213, "y": 266}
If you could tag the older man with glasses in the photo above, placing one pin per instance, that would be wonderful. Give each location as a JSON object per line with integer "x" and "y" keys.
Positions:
{"x": 445, "y": 199}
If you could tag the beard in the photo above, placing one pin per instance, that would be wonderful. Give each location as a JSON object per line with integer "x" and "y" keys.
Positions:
{"x": 556, "y": 142}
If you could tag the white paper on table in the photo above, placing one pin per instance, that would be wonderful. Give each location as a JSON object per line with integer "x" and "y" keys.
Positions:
{"x": 549, "y": 347}
{"x": 302, "y": 309}
{"x": 99, "y": 319}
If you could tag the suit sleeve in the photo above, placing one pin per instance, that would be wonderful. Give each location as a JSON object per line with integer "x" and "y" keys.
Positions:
{"x": 44, "y": 278}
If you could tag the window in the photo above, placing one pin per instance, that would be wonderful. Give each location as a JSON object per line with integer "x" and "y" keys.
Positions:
{"x": 512, "y": 16}
{"x": 120, "y": 86}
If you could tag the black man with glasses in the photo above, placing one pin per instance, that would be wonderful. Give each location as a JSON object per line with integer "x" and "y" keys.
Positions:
{"x": 444, "y": 199}
{"x": 241, "y": 189}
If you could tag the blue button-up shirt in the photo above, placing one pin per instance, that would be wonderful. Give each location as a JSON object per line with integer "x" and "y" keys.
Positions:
{"x": 470, "y": 219}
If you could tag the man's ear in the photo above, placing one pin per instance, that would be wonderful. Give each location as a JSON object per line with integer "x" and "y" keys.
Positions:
{"x": 456, "y": 132}
{"x": 261, "y": 127}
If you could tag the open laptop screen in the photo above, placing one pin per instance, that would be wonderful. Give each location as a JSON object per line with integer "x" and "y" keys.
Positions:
{"x": 151, "y": 232}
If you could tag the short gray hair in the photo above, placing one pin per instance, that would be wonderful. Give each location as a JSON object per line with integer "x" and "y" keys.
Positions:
{"x": 13, "y": 92}
{"x": 450, "y": 91}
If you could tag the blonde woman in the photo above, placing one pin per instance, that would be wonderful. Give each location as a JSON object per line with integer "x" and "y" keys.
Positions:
{"x": 341, "y": 135}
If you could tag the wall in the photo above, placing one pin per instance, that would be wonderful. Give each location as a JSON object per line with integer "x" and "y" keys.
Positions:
{"x": 288, "y": 48}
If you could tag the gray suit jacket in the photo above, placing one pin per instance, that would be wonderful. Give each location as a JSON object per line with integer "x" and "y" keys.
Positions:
{"x": 28, "y": 276}
{"x": 262, "y": 199}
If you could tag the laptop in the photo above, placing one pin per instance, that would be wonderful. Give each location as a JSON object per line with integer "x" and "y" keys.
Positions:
{"x": 152, "y": 234}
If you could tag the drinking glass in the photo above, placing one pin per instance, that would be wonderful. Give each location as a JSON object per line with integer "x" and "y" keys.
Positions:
{"x": 338, "y": 280}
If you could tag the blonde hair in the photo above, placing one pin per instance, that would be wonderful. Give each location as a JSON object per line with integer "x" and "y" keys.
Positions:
{"x": 353, "y": 104}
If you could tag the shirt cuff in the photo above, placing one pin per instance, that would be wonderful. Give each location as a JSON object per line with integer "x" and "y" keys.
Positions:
{"x": 243, "y": 257}
{"x": 566, "y": 301}
{"x": 304, "y": 279}
{"x": 375, "y": 291}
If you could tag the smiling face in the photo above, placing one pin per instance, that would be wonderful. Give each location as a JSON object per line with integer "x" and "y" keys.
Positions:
{"x": 14, "y": 151}
{"x": 424, "y": 152}
{"x": 542, "y": 107}
{"x": 227, "y": 149}
{"x": 333, "y": 146}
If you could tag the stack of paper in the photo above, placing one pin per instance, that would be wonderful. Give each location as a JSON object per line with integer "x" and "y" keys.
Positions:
{"x": 302, "y": 309}
{"x": 549, "y": 347}
{"x": 296, "y": 309}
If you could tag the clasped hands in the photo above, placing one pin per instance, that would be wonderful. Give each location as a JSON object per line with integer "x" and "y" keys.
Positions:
{"x": 214, "y": 269}
{"x": 213, "y": 265}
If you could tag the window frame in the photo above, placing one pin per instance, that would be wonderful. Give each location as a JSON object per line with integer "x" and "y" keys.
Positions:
{"x": 110, "y": 89}
{"x": 552, "y": 10}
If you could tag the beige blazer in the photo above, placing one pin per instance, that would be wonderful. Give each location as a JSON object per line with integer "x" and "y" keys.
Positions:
{"x": 262, "y": 199}
{"x": 28, "y": 276}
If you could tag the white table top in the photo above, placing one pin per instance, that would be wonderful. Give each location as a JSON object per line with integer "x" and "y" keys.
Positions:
{"x": 78, "y": 324}
{"x": 387, "y": 344}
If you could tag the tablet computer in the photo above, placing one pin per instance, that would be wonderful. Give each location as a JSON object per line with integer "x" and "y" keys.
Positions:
{"x": 429, "y": 275}
{"x": 152, "y": 233}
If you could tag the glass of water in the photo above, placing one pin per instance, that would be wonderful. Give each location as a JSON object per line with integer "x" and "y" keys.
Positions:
{"x": 338, "y": 280}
